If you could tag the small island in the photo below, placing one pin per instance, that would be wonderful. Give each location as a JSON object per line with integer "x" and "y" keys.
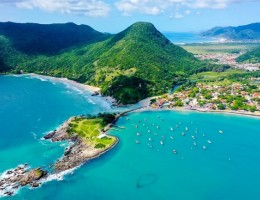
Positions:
{"x": 88, "y": 140}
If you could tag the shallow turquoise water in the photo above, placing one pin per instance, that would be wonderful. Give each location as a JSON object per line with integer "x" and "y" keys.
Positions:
{"x": 228, "y": 169}
{"x": 29, "y": 109}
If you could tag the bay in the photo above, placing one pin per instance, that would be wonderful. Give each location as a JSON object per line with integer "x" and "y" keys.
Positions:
{"x": 227, "y": 169}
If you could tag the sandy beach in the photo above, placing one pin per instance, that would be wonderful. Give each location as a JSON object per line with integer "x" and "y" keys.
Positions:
{"x": 65, "y": 80}
{"x": 145, "y": 103}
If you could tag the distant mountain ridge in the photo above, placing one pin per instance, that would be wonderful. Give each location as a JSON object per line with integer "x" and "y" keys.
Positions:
{"x": 245, "y": 32}
{"x": 131, "y": 65}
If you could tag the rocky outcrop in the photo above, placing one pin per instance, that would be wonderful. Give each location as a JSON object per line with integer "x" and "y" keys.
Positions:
{"x": 60, "y": 134}
{"x": 49, "y": 135}
{"x": 13, "y": 179}
{"x": 32, "y": 176}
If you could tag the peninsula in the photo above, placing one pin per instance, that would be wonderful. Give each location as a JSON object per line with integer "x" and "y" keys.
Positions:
{"x": 89, "y": 140}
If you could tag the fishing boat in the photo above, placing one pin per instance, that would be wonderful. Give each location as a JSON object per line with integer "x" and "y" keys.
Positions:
{"x": 194, "y": 143}
{"x": 220, "y": 131}
{"x": 204, "y": 147}
{"x": 209, "y": 142}
{"x": 172, "y": 129}
{"x": 150, "y": 139}
{"x": 138, "y": 134}
{"x": 171, "y": 137}
{"x": 174, "y": 151}
{"x": 161, "y": 142}
{"x": 186, "y": 128}
{"x": 193, "y": 137}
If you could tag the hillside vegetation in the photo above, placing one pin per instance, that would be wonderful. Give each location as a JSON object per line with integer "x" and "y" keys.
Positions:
{"x": 250, "y": 57}
{"x": 49, "y": 39}
{"x": 131, "y": 65}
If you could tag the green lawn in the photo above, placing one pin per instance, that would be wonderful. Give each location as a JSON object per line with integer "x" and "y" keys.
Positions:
{"x": 89, "y": 130}
{"x": 216, "y": 78}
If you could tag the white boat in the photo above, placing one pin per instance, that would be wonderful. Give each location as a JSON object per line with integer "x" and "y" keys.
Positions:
{"x": 193, "y": 137}
{"x": 138, "y": 134}
{"x": 150, "y": 139}
{"x": 220, "y": 131}
{"x": 172, "y": 129}
{"x": 148, "y": 131}
{"x": 137, "y": 142}
{"x": 204, "y": 147}
{"x": 209, "y": 142}
{"x": 186, "y": 129}
{"x": 171, "y": 137}
{"x": 203, "y": 135}
{"x": 174, "y": 151}
{"x": 183, "y": 134}
{"x": 194, "y": 143}
{"x": 161, "y": 142}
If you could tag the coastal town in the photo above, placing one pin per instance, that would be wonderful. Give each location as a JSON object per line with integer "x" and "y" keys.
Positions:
{"x": 229, "y": 59}
{"x": 237, "y": 97}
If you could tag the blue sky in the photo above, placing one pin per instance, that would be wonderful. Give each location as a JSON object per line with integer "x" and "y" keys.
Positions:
{"x": 115, "y": 15}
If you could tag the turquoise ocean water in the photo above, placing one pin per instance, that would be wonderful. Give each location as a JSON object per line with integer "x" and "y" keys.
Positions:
{"x": 227, "y": 169}
{"x": 188, "y": 38}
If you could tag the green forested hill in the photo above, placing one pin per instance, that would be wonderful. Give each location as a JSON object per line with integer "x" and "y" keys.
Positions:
{"x": 48, "y": 39}
{"x": 131, "y": 65}
{"x": 250, "y": 57}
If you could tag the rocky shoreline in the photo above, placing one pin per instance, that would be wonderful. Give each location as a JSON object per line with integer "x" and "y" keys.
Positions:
{"x": 13, "y": 179}
{"x": 76, "y": 154}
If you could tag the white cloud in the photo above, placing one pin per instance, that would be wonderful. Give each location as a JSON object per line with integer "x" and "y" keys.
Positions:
{"x": 178, "y": 16}
{"x": 92, "y": 8}
{"x": 99, "y": 8}
{"x": 150, "y": 7}
{"x": 155, "y": 7}
{"x": 187, "y": 12}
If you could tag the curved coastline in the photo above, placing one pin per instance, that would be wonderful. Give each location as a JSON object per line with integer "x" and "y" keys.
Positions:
{"x": 229, "y": 112}
{"x": 145, "y": 107}
{"x": 145, "y": 103}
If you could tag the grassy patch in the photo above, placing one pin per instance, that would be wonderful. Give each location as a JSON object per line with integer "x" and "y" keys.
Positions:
{"x": 88, "y": 129}
{"x": 216, "y": 76}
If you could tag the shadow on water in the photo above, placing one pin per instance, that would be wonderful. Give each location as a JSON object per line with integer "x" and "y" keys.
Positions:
{"x": 146, "y": 180}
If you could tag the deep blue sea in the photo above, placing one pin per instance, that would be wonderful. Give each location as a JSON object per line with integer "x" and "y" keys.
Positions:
{"x": 187, "y": 38}
{"x": 227, "y": 169}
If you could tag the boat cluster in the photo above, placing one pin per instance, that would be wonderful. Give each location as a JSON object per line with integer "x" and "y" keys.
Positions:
{"x": 199, "y": 140}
